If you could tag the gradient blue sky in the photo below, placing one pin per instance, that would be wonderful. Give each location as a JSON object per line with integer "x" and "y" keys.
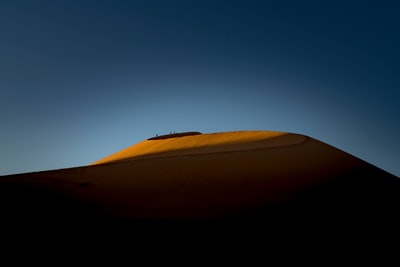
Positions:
{"x": 80, "y": 80}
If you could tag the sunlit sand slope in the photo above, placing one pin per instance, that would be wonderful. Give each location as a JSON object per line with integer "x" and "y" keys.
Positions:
{"x": 202, "y": 143}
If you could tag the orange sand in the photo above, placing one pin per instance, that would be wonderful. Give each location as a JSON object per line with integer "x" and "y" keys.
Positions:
{"x": 204, "y": 143}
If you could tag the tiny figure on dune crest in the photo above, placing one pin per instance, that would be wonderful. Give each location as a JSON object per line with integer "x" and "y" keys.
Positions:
{"x": 173, "y": 135}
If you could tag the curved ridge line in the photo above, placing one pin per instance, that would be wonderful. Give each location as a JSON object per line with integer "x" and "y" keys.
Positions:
{"x": 306, "y": 139}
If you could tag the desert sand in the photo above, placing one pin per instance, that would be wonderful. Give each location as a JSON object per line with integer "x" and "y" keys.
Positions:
{"x": 275, "y": 181}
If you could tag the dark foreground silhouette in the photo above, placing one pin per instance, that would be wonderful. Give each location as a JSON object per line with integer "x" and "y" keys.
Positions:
{"x": 360, "y": 205}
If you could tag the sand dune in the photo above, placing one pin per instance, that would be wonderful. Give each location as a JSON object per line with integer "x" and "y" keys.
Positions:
{"x": 252, "y": 176}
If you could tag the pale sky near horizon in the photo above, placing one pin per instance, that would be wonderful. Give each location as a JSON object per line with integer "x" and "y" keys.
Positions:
{"x": 80, "y": 80}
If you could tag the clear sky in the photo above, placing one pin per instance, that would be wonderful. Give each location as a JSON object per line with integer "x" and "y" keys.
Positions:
{"x": 80, "y": 80}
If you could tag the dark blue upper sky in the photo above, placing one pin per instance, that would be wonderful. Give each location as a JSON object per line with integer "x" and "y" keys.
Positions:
{"x": 80, "y": 80}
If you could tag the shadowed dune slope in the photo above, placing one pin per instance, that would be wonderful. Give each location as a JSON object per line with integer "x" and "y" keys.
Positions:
{"x": 271, "y": 180}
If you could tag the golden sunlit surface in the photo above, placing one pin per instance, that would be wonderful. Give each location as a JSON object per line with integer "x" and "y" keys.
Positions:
{"x": 202, "y": 143}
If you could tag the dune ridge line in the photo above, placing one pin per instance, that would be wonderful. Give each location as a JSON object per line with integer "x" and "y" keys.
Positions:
{"x": 204, "y": 143}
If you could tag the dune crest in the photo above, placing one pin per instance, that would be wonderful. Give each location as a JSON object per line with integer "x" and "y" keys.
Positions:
{"x": 203, "y": 143}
